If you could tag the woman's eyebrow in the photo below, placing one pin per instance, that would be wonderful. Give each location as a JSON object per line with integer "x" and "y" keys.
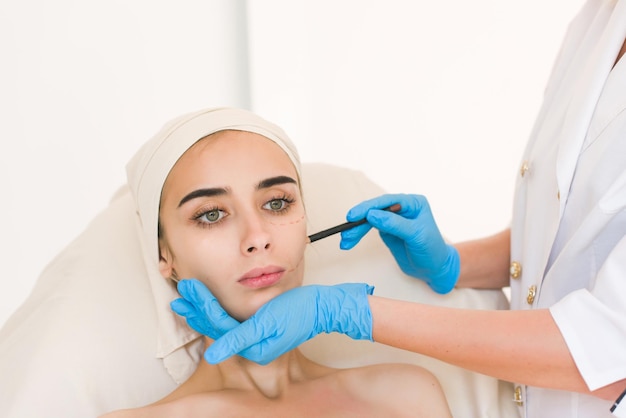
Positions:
{"x": 273, "y": 181}
{"x": 218, "y": 191}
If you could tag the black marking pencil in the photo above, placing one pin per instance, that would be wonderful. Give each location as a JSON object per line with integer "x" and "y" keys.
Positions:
{"x": 345, "y": 226}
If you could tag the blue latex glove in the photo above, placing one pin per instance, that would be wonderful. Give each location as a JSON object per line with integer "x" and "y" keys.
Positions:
{"x": 284, "y": 322}
{"x": 412, "y": 236}
{"x": 201, "y": 309}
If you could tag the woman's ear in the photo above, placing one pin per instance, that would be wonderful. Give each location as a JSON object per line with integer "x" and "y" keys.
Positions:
{"x": 166, "y": 260}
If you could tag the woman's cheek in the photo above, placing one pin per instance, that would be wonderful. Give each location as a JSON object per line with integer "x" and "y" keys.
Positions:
{"x": 202, "y": 257}
{"x": 298, "y": 242}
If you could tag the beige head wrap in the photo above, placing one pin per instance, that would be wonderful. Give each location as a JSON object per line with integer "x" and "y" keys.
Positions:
{"x": 147, "y": 172}
{"x": 148, "y": 169}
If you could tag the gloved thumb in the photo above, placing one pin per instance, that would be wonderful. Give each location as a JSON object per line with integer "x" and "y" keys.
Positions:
{"x": 392, "y": 223}
{"x": 234, "y": 342}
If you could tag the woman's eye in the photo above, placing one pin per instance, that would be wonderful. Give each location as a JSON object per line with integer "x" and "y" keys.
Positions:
{"x": 211, "y": 216}
{"x": 276, "y": 205}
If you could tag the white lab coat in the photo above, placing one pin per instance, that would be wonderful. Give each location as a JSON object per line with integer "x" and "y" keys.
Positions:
{"x": 568, "y": 233}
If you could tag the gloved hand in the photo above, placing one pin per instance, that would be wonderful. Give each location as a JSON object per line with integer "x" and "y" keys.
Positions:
{"x": 286, "y": 321}
{"x": 201, "y": 309}
{"x": 412, "y": 236}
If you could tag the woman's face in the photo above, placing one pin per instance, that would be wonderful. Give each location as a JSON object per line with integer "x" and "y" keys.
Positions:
{"x": 232, "y": 216}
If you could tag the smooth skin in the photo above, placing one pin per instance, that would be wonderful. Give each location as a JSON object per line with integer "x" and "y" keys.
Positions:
{"x": 232, "y": 216}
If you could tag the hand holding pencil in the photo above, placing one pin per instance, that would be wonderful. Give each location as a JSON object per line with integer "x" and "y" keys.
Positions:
{"x": 412, "y": 236}
{"x": 345, "y": 226}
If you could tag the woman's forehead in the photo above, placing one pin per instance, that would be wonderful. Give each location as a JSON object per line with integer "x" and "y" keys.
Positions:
{"x": 230, "y": 156}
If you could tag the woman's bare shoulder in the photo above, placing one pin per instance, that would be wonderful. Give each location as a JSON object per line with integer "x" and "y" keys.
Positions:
{"x": 408, "y": 388}
{"x": 399, "y": 372}
{"x": 208, "y": 404}
{"x": 396, "y": 390}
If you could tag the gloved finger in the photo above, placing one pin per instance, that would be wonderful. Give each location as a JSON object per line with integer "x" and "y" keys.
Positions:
{"x": 220, "y": 319}
{"x": 195, "y": 292}
{"x": 359, "y": 211}
{"x": 191, "y": 314}
{"x": 196, "y": 319}
{"x": 198, "y": 296}
{"x": 182, "y": 307}
{"x": 235, "y": 341}
{"x": 414, "y": 205}
{"x": 351, "y": 237}
{"x": 393, "y": 224}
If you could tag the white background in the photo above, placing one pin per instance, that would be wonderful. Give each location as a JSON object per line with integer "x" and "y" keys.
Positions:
{"x": 435, "y": 98}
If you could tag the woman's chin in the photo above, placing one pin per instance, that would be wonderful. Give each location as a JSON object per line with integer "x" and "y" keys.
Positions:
{"x": 241, "y": 315}
{"x": 244, "y": 311}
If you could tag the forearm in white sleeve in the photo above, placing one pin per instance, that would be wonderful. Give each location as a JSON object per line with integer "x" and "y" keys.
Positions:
{"x": 593, "y": 323}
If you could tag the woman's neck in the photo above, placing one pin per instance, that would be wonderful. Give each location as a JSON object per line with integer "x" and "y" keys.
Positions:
{"x": 270, "y": 380}
{"x": 237, "y": 373}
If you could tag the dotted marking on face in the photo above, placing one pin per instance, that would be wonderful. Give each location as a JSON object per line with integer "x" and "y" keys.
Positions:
{"x": 293, "y": 222}
{"x": 297, "y": 264}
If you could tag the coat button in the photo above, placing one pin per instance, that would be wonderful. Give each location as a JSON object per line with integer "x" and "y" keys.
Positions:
{"x": 515, "y": 270}
{"x": 532, "y": 291}
{"x": 524, "y": 168}
{"x": 517, "y": 396}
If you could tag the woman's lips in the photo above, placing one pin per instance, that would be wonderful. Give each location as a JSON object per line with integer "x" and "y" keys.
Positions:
{"x": 259, "y": 278}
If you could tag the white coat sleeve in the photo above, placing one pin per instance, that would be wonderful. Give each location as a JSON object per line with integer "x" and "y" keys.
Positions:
{"x": 593, "y": 323}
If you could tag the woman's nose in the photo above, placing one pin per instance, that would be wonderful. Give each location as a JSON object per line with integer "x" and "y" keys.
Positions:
{"x": 254, "y": 248}
{"x": 256, "y": 236}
